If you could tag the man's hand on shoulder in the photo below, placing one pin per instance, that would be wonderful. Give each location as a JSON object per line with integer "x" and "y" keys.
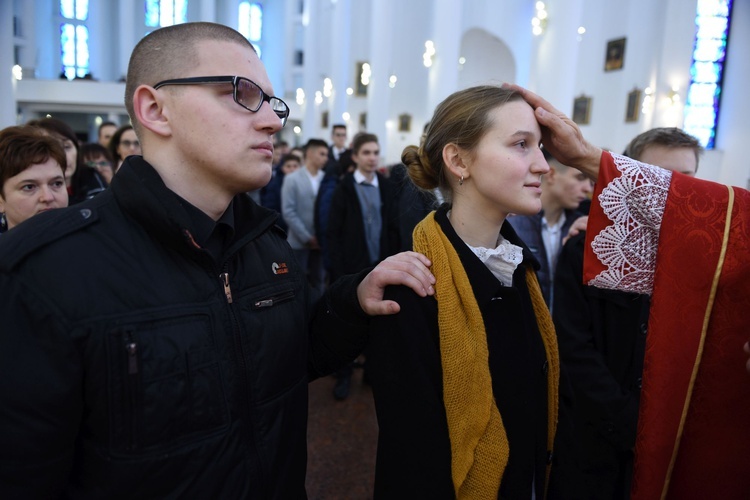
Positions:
{"x": 407, "y": 268}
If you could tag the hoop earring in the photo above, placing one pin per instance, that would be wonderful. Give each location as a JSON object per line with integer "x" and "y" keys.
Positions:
{"x": 461, "y": 181}
{"x": 3, "y": 222}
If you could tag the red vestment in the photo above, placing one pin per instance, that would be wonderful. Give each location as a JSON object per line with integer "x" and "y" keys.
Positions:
{"x": 662, "y": 233}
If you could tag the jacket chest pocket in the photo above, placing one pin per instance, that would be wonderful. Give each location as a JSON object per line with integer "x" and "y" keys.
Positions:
{"x": 165, "y": 386}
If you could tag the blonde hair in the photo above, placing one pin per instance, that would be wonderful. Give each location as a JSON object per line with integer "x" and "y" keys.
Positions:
{"x": 462, "y": 119}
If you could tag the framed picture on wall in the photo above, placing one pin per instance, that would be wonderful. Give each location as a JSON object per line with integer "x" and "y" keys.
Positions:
{"x": 324, "y": 119}
{"x": 404, "y": 122}
{"x": 615, "y": 55}
{"x": 363, "y": 121}
{"x": 582, "y": 109}
{"x": 632, "y": 110}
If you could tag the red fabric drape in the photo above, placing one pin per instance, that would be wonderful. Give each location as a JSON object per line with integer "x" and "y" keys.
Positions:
{"x": 712, "y": 461}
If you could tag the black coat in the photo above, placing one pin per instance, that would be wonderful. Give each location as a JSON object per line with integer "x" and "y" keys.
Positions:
{"x": 404, "y": 365}
{"x": 134, "y": 365}
{"x": 346, "y": 241}
{"x": 601, "y": 336}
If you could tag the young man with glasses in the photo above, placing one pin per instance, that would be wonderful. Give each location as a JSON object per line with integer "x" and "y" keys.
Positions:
{"x": 170, "y": 354}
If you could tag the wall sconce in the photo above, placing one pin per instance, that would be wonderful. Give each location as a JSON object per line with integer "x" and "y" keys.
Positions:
{"x": 392, "y": 81}
{"x": 300, "y": 96}
{"x": 539, "y": 22}
{"x": 674, "y": 95}
{"x": 318, "y": 97}
{"x": 327, "y": 87}
{"x": 648, "y": 101}
{"x": 346, "y": 116}
{"x": 17, "y": 72}
{"x": 349, "y": 91}
{"x": 297, "y": 129}
{"x": 364, "y": 77}
{"x": 429, "y": 53}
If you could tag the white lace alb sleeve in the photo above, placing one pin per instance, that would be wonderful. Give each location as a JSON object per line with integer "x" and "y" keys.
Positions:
{"x": 635, "y": 203}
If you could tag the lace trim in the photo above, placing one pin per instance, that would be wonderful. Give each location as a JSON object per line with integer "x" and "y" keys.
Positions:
{"x": 502, "y": 260}
{"x": 635, "y": 203}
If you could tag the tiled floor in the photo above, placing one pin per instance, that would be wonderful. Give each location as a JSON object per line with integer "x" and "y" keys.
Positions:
{"x": 342, "y": 441}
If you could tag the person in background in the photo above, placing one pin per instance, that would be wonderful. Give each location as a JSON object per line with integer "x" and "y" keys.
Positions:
{"x": 270, "y": 195}
{"x": 466, "y": 382}
{"x": 106, "y": 131}
{"x": 602, "y": 337}
{"x": 683, "y": 241}
{"x": 563, "y": 190}
{"x": 299, "y": 192}
{"x": 339, "y": 155}
{"x": 100, "y": 159}
{"x": 124, "y": 143}
{"x": 32, "y": 175}
{"x": 160, "y": 337}
{"x": 359, "y": 234}
{"x": 82, "y": 183}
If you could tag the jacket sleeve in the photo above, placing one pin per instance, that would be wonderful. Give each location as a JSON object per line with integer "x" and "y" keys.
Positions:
{"x": 289, "y": 207}
{"x": 339, "y": 328}
{"x": 41, "y": 395}
{"x": 610, "y": 409}
{"x": 335, "y": 231}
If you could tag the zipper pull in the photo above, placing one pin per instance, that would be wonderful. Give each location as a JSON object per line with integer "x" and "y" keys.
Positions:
{"x": 227, "y": 289}
{"x": 132, "y": 349}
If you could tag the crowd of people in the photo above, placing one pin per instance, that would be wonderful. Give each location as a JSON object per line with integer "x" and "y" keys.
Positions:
{"x": 538, "y": 317}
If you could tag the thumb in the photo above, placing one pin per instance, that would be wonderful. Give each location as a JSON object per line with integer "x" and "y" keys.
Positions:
{"x": 382, "y": 308}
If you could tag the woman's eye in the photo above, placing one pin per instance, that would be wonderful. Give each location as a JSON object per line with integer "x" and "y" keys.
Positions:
{"x": 27, "y": 187}
{"x": 58, "y": 184}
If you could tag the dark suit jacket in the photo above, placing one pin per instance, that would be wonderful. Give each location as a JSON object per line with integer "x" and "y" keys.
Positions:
{"x": 602, "y": 336}
{"x": 346, "y": 243}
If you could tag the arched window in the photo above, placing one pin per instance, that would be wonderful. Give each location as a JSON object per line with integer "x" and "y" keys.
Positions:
{"x": 251, "y": 23}
{"x": 74, "y": 38}
{"x": 160, "y": 13}
{"x": 707, "y": 70}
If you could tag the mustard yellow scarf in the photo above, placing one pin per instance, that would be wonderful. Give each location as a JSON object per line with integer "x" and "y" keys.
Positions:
{"x": 479, "y": 445}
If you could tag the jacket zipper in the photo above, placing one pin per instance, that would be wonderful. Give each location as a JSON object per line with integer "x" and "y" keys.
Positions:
{"x": 131, "y": 348}
{"x": 271, "y": 301}
{"x": 227, "y": 289}
{"x": 241, "y": 362}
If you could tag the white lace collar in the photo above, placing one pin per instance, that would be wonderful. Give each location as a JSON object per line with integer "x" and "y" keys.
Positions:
{"x": 502, "y": 260}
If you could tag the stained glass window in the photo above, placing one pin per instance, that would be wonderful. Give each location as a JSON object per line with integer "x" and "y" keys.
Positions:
{"x": 74, "y": 38}
{"x": 709, "y": 54}
{"x": 161, "y": 13}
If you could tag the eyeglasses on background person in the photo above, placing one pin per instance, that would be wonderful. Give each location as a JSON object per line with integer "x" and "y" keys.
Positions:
{"x": 247, "y": 93}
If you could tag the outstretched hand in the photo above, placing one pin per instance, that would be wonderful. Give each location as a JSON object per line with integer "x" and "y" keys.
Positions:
{"x": 561, "y": 136}
{"x": 406, "y": 268}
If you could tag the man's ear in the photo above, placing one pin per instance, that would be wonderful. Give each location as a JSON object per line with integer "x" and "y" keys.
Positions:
{"x": 151, "y": 110}
{"x": 454, "y": 161}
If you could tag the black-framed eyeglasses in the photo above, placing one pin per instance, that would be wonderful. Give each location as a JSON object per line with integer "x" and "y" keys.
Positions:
{"x": 247, "y": 93}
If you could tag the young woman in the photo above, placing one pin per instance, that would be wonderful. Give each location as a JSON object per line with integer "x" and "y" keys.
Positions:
{"x": 466, "y": 381}
{"x": 124, "y": 143}
{"x": 82, "y": 183}
{"x": 32, "y": 175}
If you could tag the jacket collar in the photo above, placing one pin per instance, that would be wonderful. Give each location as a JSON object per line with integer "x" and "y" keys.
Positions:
{"x": 142, "y": 194}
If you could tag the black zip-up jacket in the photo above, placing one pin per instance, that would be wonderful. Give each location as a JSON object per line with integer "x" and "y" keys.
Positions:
{"x": 133, "y": 365}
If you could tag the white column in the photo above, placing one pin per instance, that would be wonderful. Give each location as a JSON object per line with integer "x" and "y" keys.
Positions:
{"x": 7, "y": 82}
{"x": 131, "y": 29}
{"x": 381, "y": 50}
{"x": 341, "y": 62}
{"x": 446, "y": 35}
{"x": 311, "y": 74}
